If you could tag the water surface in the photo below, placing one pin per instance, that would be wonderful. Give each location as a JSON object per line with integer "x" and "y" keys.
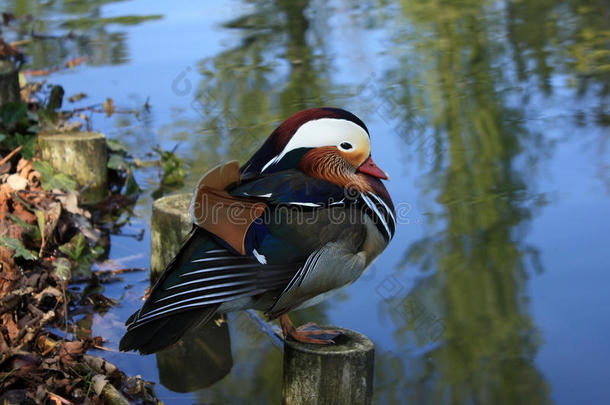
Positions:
{"x": 491, "y": 118}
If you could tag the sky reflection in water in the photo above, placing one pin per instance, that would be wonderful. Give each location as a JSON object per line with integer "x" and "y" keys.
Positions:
{"x": 492, "y": 119}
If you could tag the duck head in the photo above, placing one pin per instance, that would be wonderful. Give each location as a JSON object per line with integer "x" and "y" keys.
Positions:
{"x": 326, "y": 143}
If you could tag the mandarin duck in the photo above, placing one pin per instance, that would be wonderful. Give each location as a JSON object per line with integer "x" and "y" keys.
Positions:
{"x": 304, "y": 217}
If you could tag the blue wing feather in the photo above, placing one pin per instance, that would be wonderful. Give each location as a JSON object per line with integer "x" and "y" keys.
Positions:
{"x": 290, "y": 187}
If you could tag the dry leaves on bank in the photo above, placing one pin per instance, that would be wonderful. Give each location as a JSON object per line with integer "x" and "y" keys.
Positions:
{"x": 45, "y": 239}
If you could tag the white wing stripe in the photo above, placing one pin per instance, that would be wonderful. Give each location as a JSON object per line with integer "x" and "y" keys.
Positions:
{"x": 197, "y": 304}
{"x": 386, "y": 207}
{"x": 201, "y": 298}
{"x": 206, "y": 288}
{"x": 304, "y": 204}
{"x": 207, "y": 279}
{"x": 272, "y": 161}
{"x": 232, "y": 266}
{"x": 307, "y": 270}
{"x": 209, "y": 259}
{"x": 372, "y": 206}
{"x": 216, "y": 251}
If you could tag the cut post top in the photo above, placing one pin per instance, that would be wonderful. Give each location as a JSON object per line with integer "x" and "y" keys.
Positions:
{"x": 72, "y": 136}
{"x": 349, "y": 341}
{"x": 176, "y": 204}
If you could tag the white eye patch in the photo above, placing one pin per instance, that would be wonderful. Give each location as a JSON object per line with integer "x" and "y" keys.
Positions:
{"x": 345, "y": 135}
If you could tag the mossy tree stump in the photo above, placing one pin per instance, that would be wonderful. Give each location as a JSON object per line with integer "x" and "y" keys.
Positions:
{"x": 9, "y": 82}
{"x": 338, "y": 374}
{"x": 82, "y": 156}
{"x": 171, "y": 222}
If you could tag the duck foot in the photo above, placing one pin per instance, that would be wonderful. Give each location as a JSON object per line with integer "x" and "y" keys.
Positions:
{"x": 308, "y": 333}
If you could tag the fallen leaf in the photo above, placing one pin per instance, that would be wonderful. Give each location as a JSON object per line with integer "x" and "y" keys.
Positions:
{"x": 46, "y": 292}
{"x": 59, "y": 400}
{"x": 62, "y": 268}
{"x": 39, "y": 72}
{"x": 17, "y": 182}
{"x": 50, "y": 180}
{"x": 109, "y": 107}
{"x": 76, "y": 61}
{"x": 25, "y": 361}
{"x": 18, "y": 248}
{"x": 8, "y": 50}
{"x": 47, "y": 221}
{"x": 76, "y": 97}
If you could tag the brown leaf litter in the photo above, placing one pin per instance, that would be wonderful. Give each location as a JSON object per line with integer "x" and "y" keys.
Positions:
{"x": 37, "y": 366}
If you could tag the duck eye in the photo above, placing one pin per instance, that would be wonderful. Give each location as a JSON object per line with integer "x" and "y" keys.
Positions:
{"x": 346, "y": 145}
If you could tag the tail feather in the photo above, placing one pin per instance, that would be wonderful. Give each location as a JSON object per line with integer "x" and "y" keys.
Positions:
{"x": 201, "y": 277}
{"x": 156, "y": 335}
{"x": 159, "y": 333}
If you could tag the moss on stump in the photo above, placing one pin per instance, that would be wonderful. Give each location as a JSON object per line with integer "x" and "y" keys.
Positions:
{"x": 81, "y": 155}
{"x": 171, "y": 222}
{"x": 339, "y": 374}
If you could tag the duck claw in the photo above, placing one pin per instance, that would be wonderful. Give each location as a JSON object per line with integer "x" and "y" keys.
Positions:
{"x": 308, "y": 333}
{"x": 312, "y": 333}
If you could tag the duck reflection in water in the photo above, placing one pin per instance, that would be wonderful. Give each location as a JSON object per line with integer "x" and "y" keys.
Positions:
{"x": 205, "y": 351}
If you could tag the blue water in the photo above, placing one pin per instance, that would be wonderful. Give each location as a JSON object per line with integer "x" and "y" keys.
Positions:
{"x": 492, "y": 120}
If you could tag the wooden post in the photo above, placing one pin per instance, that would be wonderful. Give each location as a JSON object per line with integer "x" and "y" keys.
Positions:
{"x": 203, "y": 355}
{"x": 82, "y": 156}
{"x": 9, "y": 82}
{"x": 171, "y": 222}
{"x": 339, "y": 374}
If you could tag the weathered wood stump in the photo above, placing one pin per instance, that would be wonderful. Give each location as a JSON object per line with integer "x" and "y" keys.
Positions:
{"x": 204, "y": 351}
{"x": 9, "y": 82}
{"x": 82, "y": 156}
{"x": 339, "y": 374}
{"x": 171, "y": 222}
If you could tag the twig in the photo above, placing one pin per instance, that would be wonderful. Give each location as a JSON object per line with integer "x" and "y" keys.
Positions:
{"x": 63, "y": 290}
{"x": 10, "y": 155}
{"x": 21, "y": 42}
{"x": 59, "y": 400}
{"x": 43, "y": 193}
{"x": 33, "y": 327}
{"x": 265, "y": 328}
{"x": 35, "y": 310}
{"x": 106, "y": 349}
{"x": 9, "y": 301}
{"x": 146, "y": 163}
{"x": 22, "y": 201}
{"x": 70, "y": 36}
{"x": 96, "y": 109}
{"x": 103, "y": 279}
{"x": 7, "y": 375}
{"x": 119, "y": 271}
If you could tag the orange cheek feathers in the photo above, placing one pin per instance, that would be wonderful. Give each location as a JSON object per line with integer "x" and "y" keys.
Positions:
{"x": 355, "y": 158}
{"x": 328, "y": 164}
